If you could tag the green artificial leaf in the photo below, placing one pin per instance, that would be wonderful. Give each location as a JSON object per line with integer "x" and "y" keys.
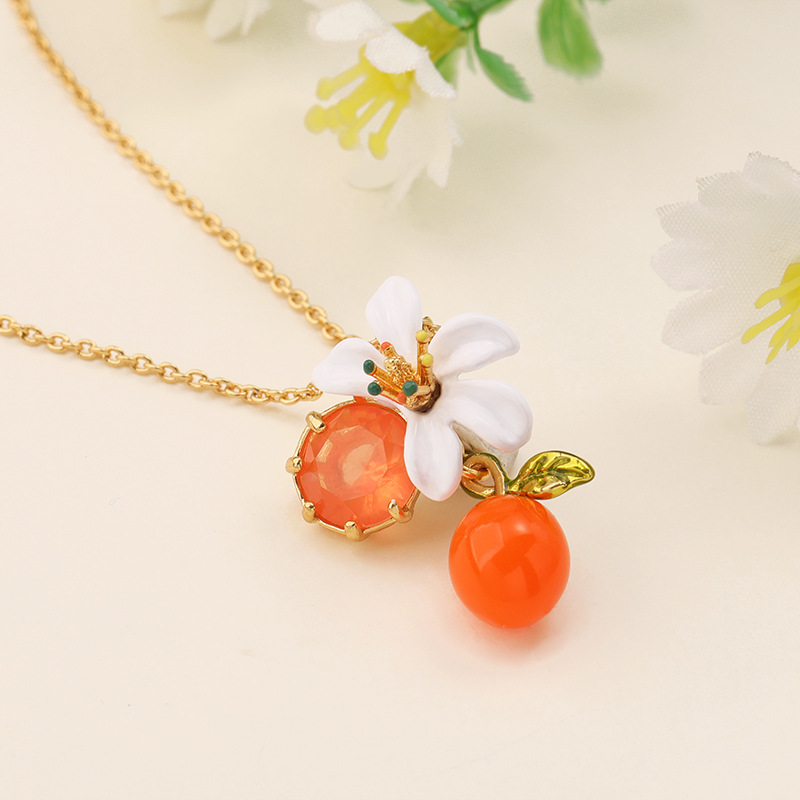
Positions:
{"x": 448, "y": 65}
{"x": 567, "y": 42}
{"x": 550, "y": 474}
{"x": 500, "y": 72}
{"x": 450, "y": 13}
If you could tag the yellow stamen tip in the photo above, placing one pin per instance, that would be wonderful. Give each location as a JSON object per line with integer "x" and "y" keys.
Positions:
{"x": 377, "y": 145}
{"x": 325, "y": 88}
{"x": 426, "y": 360}
{"x": 348, "y": 111}
{"x": 348, "y": 138}
{"x": 316, "y": 119}
{"x": 423, "y": 336}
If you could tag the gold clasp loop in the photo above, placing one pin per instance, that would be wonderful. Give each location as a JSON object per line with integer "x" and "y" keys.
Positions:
{"x": 483, "y": 476}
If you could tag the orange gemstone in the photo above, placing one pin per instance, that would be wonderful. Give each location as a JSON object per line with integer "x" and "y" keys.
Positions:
{"x": 354, "y": 467}
{"x": 509, "y": 561}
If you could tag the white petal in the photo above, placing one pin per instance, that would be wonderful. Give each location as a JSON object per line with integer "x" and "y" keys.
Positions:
{"x": 730, "y": 373}
{"x": 431, "y": 81}
{"x": 255, "y": 8}
{"x": 169, "y": 8}
{"x": 394, "y": 53}
{"x": 774, "y": 407}
{"x": 349, "y": 23}
{"x": 423, "y": 139}
{"x": 726, "y": 191}
{"x": 494, "y": 411}
{"x": 709, "y": 319}
{"x": 224, "y": 17}
{"x": 394, "y": 313}
{"x": 433, "y": 454}
{"x": 342, "y": 371}
{"x": 470, "y": 341}
{"x": 769, "y": 174}
{"x": 441, "y": 154}
{"x": 686, "y": 265}
{"x": 691, "y": 221}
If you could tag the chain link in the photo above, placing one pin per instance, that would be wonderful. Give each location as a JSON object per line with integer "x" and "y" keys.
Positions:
{"x": 141, "y": 364}
{"x": 193, "y": 207}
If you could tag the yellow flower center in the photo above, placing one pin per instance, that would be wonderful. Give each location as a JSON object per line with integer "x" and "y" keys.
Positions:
{"x": 376, "y": 89}
{"x": 789, "y": 295}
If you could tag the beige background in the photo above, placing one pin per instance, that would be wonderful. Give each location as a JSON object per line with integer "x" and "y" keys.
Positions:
{"x": 171, "y": 629}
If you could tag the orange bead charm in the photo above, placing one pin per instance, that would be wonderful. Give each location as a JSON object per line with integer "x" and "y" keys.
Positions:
{"x": 509, "y": 561}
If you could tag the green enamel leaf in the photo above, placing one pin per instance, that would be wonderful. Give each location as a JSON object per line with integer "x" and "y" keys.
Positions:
{"x": 550, "y": 474}
{"x": 500, "y": 72}
{"x": 567, "y": 42}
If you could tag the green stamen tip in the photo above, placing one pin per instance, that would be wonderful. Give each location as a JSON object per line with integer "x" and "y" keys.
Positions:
{"x": 369, "y": 367}
{"x": 374, "y": 388}
{"x": 410, "y": 388}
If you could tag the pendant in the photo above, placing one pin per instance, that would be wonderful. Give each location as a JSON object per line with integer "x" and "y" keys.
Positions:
{"x": 414, "y": 426}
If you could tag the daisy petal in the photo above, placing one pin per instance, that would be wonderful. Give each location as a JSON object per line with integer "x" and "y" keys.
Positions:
{"x": 393, "y": 53}
{"x": 708, "y": 319}
{"x": 774, "y": 406}
{"x": 431, "y": 81}
{"x": 685, "y": 265}
{"x": 224, "y": 17}
{"x": 394, "y": 313}
{"x": 690, "y": 220}
{"x": 492, "y": 410}
{"x": 470, "y": 341}
{"x": 349, "y": 22}
{"x": 769, "y": 174}
{"x": 433, "y": 455}
{"x": 726, "y": 191}
{"x": 729, "y": 374}
{"x": 342, "y": 372}
{"x": 254, "y": 9}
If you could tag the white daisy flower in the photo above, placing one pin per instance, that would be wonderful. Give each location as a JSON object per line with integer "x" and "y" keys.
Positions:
{"x": 415, "y": 366}
{"x": 739, "y": 248}
{"x": 224, "y": 17}
{"x": 399, "y": 93}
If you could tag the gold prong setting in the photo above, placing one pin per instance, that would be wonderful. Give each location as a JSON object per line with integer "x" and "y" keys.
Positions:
{"x": 395, "y": 512}
{"x": 315, "y": 421}
{"x": 354, "y": 533}
{"x": 401, "y": 515}
{"x": 294, "y": 465}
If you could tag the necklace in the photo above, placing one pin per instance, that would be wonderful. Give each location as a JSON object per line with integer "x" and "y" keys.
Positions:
{"x": 411, "y": 425}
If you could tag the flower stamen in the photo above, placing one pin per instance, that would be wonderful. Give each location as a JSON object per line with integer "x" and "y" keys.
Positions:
{"x": 427, "y": 37}
{"x": 375, "y": 90}
{"x": 788, "y": 293}
{"x": 416, "y": 389}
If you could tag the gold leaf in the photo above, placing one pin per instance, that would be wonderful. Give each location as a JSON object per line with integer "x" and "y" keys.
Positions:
{"x": 550, "y": 474}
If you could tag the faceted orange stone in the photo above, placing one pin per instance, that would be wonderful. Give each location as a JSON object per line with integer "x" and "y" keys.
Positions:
{"x": 354, "y": 467}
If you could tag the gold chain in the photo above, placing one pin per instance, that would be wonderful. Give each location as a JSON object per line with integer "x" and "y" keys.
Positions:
{"x": 193, "y": 207}
{"x": 143, "y": 365}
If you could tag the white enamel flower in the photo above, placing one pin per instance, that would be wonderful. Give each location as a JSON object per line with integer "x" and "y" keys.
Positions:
{"x": 442, "y": 406}
{"x": 738, "y": 247}
{"x": 224, "y": 17}
{"x": 401, "y": 98}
